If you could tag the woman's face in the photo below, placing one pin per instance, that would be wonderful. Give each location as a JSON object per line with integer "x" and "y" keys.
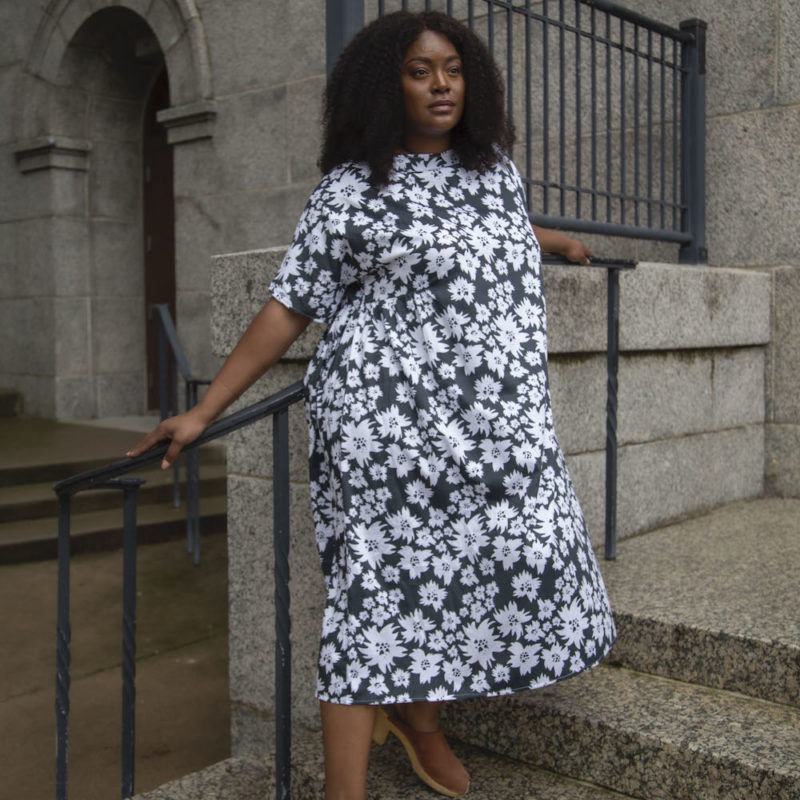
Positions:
{"x": 433, "y": 88}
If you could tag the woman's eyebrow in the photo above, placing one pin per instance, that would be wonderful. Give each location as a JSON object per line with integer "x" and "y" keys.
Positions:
{"x": 427, "y": 60}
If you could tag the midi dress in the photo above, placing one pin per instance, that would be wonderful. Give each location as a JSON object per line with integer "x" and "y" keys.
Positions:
{"x": 455, "y": 554}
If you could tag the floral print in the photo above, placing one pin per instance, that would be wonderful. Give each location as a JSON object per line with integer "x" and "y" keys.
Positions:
{"x": 455, "y": 554}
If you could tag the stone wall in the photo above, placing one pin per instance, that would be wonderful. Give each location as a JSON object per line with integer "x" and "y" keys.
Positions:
{"x": 691, "y": 430}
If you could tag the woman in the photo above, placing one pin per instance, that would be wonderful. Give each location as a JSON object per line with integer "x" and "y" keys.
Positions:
{"x": 455, "y": 555}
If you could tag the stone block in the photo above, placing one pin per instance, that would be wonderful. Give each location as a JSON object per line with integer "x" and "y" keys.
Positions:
{"x": 670, "y": 306}
{"x": 116, "y": 248}
{"x": 199, "y": 232}
{"x": 18, "y": 22}
{"x": 118, "y": 325}
{"x": 26, "y": 331}
{"x": 789, "y": 53}
{"x": 738, "y": 380}
{"x": 588, "y": 477}
{"x": 74, "y": 399}
{"x": 38, "y": 392}
{"x": 72, "y": 326}
{"x": 782, "y": 463}
{"x": 662, "y": 395}
{"x": 192, "y": 318}
{"x": 251, "y": 42}
{"x": 752, "y": 162}
{"x": 115, "y": 177}
{"x": 8, "y": 85}
{"x": 120, "y": 394}
{"x": 46, "y": 192}
{"x": 250, "y": 449}
{"x": 67, "y": 113}
{"x": 251, "y": 598}
{"x": 183, "y": 78}
{"x": 665, "y": 480}
{"x": 68, "y": 255}
{"x": 304, "y": 110}
{"x": 578, "y": 392}
{"x": 198, "y": 168}
{"x": 576, "y": 308}
{"x": 239, "y": 283}
{"x": 783, "y": 384}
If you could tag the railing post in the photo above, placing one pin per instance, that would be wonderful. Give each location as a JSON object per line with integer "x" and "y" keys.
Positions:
{"x": 283, "y": 653}
{"x": 343, "y": 20}
{"x": 62, "y": 649}
{"x": 612, "y": 366}
{"x": 693, "y": 141}
{"x": 129, "y": 487}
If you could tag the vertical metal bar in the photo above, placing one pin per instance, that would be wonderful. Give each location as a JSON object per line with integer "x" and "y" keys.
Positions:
{"x": 622, "y": 155}
{"x": 283, "y": 658}
{"x": 675, "y": 133}
{"x": 693, "y": 142}
{"x": 381, "y": 7}
{"x": 545, "y": 109}
{"x": 649, "y": 129}
{"x": 128, "y": 638}
{"x": 663, "y": 147}
{"x": 471, "y": 14}
{"x": 450, "y": 7}
{"x": 562, "y": 121}
{"x": 594, "y": 110}
{"x": 578, "y": 152}
{"x": 62, "y": 649}
{"x": 636, "y": 192}
{"x": 528, "y": 143}
{"x": 612, "y": 364}
{"x": 490, "y": 22}
{"x": 163, "y": 370}
{"x": 193, "y": 504}
{"x": 509, "y": 63}
{"x": 343, "y": 19}
{"x": 609, "y": 119}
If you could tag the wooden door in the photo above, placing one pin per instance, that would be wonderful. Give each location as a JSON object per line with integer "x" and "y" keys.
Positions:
{"x": 158, "y": 224}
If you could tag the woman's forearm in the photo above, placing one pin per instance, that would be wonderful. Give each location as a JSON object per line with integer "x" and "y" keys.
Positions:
{"x": 558, "y": 243}
{"x": 266, "y": 339}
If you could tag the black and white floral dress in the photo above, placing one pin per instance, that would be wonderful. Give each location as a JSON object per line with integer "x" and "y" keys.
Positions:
{"x": 455, "y": 554}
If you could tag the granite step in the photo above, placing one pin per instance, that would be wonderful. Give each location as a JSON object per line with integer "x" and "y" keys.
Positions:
{"x": 713, "y": 600}
{"x": 494, "y": 777}
{"x": 643, "y": 735}
{"x": 37, "y": 539}
{"x": 36, "y": 500}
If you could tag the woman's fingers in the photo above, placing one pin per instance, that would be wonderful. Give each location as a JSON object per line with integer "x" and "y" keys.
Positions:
{"x": 151, "y": 440}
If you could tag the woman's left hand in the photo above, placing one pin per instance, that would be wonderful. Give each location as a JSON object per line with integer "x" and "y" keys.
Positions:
{"x": 577, "y": 252}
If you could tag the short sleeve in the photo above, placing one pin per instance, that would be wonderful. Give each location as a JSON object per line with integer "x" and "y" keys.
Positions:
{"x": 309, "y": 278}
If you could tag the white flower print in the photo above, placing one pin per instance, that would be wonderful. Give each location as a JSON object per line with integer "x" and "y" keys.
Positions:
{"x": 455, "y": 554}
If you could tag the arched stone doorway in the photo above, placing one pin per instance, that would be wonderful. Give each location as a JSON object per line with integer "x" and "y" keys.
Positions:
{"x": 95, "y": 80}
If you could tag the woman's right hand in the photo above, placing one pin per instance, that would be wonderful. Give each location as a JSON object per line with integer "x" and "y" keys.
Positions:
{"x": 179, "y": 431}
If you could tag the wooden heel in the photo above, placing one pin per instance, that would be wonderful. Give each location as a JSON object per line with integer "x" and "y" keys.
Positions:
{"x": 380, "y": 730}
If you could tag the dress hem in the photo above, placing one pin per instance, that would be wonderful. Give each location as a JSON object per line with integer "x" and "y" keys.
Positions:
{"x": 474, "y": 695}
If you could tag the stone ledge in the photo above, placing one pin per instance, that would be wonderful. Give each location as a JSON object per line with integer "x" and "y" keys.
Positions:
{"x": 190, "y": 122}
{"x": 53, "y": 152}
{"x": 662, "y": 306}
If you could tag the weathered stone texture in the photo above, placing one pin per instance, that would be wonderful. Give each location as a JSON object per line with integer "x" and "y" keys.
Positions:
{"x": 784, "y": 350}
{"x": 782, "y": 464}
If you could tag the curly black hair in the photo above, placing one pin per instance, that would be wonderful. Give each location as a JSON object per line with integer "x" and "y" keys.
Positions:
{"x": 364, "y": 107}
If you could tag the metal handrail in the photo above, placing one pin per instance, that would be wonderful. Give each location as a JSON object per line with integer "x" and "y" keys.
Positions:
{"x": 110, "y": 477}
{"x": 169, "y": 344}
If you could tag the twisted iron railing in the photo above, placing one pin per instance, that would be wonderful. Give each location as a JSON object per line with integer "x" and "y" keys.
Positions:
{"x": 110, "y": 477}
{"x": 171, "y": 361}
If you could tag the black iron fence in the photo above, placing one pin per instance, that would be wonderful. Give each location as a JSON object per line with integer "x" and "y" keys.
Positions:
{"x": 609, "y": 108}
{"x": 109, "y": 477}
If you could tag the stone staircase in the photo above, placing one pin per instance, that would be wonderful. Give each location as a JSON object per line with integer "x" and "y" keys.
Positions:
{"x": 699, "y": 699}
{"x": 37, "y": 453}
